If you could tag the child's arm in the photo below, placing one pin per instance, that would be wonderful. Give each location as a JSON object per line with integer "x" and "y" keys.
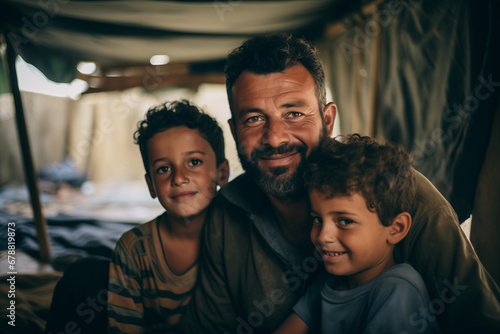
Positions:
{"x": 292, "y": 325}
{"x": 125, "y": 307}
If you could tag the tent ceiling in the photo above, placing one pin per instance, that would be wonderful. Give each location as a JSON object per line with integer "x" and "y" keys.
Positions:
{"x": 54, "y": 35}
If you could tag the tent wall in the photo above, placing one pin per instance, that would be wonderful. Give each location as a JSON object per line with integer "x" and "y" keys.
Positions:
{"x": 486, "y": 228}
{"x": 96, "y": 131}
{"x": 102, "y": 125}
{"x": 424, "y": 74}
{"x": 47, "y": 122}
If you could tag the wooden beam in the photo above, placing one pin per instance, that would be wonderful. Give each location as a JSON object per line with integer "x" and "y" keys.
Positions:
{"x": 149, "y": 80}
{"x": 29, "y": 167}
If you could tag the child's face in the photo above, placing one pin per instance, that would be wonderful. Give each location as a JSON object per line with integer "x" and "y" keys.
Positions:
{"x": 182, "y": 171}
{"x": 350, "y": 238}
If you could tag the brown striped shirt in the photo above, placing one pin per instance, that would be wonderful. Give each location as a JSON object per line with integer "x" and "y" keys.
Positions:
{"x": 144, "y": 294}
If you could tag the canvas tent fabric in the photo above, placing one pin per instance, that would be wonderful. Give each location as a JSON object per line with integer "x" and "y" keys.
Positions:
{"x": 54, "y": 35}
{"x": 424, "y": 74}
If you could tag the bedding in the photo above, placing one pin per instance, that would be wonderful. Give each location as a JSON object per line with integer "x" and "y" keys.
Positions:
{"x": 70, "y": 238}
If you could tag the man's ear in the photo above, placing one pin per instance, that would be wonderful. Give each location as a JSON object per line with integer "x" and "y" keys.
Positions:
{"x": 152, "y": 190}
{"x": 223, "y": 173}
{"x": 399, "y": 228}
{"x": 231, "y": 125}
{"x": 329, "y": 114}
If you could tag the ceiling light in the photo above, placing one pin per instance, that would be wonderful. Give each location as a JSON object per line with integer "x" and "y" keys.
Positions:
{"x": 86, "y": 67}
{"x": 159, "y": 60}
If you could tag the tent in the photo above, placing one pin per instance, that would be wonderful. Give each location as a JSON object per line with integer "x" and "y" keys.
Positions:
{"x": 419, "y": 72}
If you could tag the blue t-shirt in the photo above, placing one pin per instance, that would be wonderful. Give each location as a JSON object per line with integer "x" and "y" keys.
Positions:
{"x": 396, "y": 301}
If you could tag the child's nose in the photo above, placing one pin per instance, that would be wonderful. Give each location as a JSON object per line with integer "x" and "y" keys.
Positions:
{"x": 179, "y": 177}
{"x": 327, "y": 235}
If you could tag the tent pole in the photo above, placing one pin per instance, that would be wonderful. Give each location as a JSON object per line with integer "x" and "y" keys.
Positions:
{"x": 29, "y": 168}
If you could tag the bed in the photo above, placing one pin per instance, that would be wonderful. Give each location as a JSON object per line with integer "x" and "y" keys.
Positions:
{"x": 78, "y": 226}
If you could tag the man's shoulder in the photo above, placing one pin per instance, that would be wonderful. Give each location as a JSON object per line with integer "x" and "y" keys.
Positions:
{"x": 429, "y": 201}
{"x": 242, "y": 193}
{"x": 224, "y": 211}
{"x": 426, "y": 193}
{"x": 233, "y": 210}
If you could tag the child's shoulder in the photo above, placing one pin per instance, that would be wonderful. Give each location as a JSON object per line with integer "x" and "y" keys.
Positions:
{"x": 402, "y": 277}
{"x": 139, "y": 232}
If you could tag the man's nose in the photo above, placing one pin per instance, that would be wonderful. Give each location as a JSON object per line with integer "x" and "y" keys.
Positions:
{"x": 275, "y": 133}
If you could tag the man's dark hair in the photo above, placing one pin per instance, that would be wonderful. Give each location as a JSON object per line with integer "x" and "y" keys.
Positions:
{"x": 381, "y": 173}
{"x": 178, "y": 113}
{"x": 275, "y": 53}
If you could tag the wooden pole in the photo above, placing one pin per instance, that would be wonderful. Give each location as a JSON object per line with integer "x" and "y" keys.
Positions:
{"x": 29, "y": 168}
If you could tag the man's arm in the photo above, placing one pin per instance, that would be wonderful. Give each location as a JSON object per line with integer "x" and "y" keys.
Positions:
{"x": 463, "y": 295}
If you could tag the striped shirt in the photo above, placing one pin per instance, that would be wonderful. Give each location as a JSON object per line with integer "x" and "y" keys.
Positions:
{"x": 144, "y": 294}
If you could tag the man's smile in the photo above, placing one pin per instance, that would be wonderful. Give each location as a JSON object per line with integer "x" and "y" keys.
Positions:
{"x": 279, "y": 160}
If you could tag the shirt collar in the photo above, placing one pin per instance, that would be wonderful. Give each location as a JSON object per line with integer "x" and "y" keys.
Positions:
{"x": 245, "y": 194}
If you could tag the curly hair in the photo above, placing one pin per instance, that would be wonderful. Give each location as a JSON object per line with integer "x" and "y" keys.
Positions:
{"x": 380, "y": 172}
{"x": 275, "y": 53}
{"x": 178, "y": 113}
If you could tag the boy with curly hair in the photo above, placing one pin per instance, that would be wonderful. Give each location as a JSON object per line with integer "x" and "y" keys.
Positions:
{"x": 154, "y": 266}
{"x": 361, "y": 193}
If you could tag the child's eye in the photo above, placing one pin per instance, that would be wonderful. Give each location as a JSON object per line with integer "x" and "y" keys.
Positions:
{"x": 316, "y": 220}
{"x": 345, "y": 221}
{"x": 195, "y": 162}
{"x": 163, "y": 170}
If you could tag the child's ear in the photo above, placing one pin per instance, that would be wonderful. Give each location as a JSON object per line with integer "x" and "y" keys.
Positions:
{"x": 152, "y": 191}
{"x": 399, "y": 228}
{"x": 223, "y": 173}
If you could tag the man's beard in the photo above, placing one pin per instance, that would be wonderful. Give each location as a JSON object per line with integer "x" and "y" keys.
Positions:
{"x": 274, "y": 182}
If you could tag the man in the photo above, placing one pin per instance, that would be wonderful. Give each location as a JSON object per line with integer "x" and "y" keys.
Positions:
{"x": 257, "y": 260}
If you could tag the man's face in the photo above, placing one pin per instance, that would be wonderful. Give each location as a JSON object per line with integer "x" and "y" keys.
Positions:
{"x": 276, "y": 125}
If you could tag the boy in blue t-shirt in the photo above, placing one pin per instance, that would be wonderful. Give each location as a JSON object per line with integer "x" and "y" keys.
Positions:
{"x": 360, "y": 192}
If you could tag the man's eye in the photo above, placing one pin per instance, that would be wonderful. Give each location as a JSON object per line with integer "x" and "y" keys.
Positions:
{"x": 195, "y": 162}
{"x": 294, "y": 114}
{"x": 163, "y": 170}
{"x": 345, "y": 222}
{"x": 253, "y": 119}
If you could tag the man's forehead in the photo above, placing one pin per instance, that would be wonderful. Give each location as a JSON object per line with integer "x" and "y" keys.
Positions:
{"x": 293, "y": 74}
{"x": 251, "y": 85}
